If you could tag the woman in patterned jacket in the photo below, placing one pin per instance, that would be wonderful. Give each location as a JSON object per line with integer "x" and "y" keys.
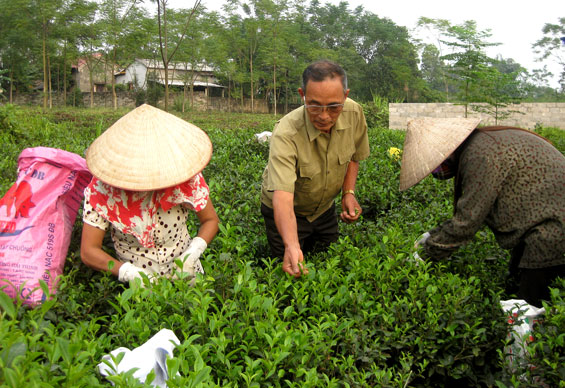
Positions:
{"x": 147, "y": 178}
{"x": 510, "y": 179}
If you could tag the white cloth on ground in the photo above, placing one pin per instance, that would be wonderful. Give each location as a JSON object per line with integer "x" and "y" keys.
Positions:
{"x": 152, "y": 355}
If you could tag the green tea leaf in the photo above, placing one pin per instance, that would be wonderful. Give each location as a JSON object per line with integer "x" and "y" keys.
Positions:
{"x": 7, "y": 305}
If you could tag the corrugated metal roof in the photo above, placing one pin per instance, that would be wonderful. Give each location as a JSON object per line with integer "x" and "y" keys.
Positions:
{"x": 158, "y": 64}
{"x": 196, "y": 83}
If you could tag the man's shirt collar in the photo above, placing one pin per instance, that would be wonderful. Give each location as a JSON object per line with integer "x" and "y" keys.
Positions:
{"x": 313, "y": 133}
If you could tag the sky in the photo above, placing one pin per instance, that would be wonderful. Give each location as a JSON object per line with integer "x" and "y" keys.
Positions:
{"x": 515, "y": 24}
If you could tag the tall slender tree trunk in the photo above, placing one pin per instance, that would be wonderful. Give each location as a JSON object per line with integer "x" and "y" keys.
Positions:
{"x": 229, "y": 94}
{"x": 275, "y": 73}
{"x": 58, "y": 90}
{"x": 275, "y": 87}
{"x": 207, "y": 95}
{"x": 184, "y": 97}
{"x": 241, "y": 97}
{"x": 286, "y": 94}
{"x": 65, "y": 74}
{"x": 11, "y": 98}
{"x": 192, "y": 95}
{"x": 91, "y": 82}
{"x": 166, "y": 61}
{"x": 446, "y": 88}
{"x": 466, "y": 97}
{"x": 112, "y": 70}
{"x": 114, "y": 95}
{"x": 192, "y": 77}
{"x": 251, "y": 80}
{"x": 44, "y": 48}
{"x": 49, "y": 89}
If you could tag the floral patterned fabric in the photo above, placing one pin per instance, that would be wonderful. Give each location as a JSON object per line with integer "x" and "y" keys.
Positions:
{"x": 134, "y": 212}
{"x": 170, "y": 235}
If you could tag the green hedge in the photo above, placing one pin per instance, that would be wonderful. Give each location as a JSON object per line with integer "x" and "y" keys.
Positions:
{"x": 365, "y": 316}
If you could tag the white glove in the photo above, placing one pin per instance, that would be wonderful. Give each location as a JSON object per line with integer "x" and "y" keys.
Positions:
{"x": 422, "y": 239}
{"x": 151, "y": 356}
{"x": 416, "y": 256}
{"x": 129, "y": 272}
{"x": 191, "y": 257}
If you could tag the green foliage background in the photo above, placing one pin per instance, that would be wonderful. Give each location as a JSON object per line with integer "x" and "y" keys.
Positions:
{"x": 365, "y": 316}
{"x": 258, "y": 50}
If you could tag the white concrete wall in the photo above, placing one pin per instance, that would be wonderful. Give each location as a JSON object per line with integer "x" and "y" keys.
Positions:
{"x": 550, "y": 114}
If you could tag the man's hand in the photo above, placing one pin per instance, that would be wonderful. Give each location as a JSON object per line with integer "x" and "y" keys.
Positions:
{"x": 293, "y": 262}
{"x": 285, "y": 219}
{"x": 351, "y": 209}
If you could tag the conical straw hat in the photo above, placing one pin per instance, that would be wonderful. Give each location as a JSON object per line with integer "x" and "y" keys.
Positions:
{"x": 429, "y": 141}
{"x": 148, "y": 149}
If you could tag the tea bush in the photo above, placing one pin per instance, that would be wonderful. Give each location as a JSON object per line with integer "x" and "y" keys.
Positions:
{"x": 555, "y": 135}
{"x": 365, "y": 316}
{"x": 376, "y": 112}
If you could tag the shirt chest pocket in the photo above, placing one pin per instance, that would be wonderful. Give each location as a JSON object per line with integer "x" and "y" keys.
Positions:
{"x": 343, "y": 158}
{"x": 345, "y": 154}
{"x": 307, "y": 176}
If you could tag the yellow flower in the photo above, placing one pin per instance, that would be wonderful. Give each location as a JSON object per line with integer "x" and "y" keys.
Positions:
{"x": 394, "y": 153}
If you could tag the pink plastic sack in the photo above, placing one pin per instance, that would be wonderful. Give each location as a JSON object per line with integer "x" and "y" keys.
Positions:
{"x": 36, "y": 220}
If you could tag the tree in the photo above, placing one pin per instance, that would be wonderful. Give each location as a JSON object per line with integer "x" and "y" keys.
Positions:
{"x": 433, "y": 71}
{"x": 220, "y": 52}
{"x": 392, "y": 60}
{"x": 121, "y": 35}
{"x": 376, "y": 53}
{"x": 259, "y": 47}
{"x": 275, "y": 22}
{"x": 538, "y": 88}
{"x": 40, "y": 16}
{"x": 241, "y": 35}
{"x": 467, "y": 60}
{"x": 500, "y": 89}
{"x": 437, "y": 26}
{"x": 166, "y": 56}
{"x": 2, "y": 79}
{"x": 89, "y": 41}
{"x": 248, "y": 35}
{"x": 17, "y": 54}
{"x": 550, "y": 46}
{"x": 539, "y": 77}
{"x": 301, "y": 47}
{"x": 194, "y": 52}
{"x": 70, "y": 20}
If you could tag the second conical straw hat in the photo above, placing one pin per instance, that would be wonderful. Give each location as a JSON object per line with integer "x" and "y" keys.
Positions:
{"x": 428, "y": 142}
{"x": 148, "y": 149}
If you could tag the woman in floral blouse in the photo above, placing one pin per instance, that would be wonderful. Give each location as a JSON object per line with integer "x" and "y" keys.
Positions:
{"x": 147, "y": 179}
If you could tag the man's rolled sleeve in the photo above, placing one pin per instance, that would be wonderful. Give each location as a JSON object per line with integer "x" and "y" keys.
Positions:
{"x": 362, "y": 139}
{"x": 282, "y": 165}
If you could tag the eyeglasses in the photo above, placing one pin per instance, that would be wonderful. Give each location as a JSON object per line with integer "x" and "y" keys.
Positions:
{"x": 317, "y": 109}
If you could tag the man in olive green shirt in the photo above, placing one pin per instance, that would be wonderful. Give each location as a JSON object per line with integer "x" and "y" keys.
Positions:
{"x": 314, "y": 154}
